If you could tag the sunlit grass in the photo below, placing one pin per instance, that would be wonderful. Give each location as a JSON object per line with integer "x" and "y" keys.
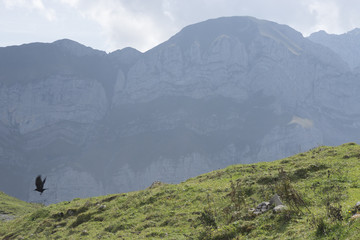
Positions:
{"x": 202, "y": 207}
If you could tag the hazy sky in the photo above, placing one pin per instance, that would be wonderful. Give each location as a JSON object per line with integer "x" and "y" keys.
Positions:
{"x": 114, "y": 24}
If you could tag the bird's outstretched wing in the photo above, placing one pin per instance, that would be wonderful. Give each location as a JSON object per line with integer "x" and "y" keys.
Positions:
{"x": 39, "y": 183}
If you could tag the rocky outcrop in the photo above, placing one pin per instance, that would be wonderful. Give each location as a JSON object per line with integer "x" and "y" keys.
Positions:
{"x": 30, "y": 107}
{"x": 220, "y": 92}
{"x": 346, "y": 45}
{"x": 6, "y": 217}
{"x": 274, "y": 203}
{"x": 261, "y": 208}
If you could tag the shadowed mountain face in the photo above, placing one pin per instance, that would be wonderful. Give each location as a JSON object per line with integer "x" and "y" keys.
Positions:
{"x": 347, "y": 45}
{"x": 220, "y": 92}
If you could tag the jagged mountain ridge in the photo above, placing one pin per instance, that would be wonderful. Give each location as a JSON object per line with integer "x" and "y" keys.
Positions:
{"x": 346, "y": 45}
{"x": 224, "y": 91}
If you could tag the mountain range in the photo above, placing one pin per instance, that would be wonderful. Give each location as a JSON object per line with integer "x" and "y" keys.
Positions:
{"x": 225, "y": 91}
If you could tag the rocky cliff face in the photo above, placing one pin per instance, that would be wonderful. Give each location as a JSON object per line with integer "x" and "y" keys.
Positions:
{"x": 220, "y": 92}
{"x": 347, "y": 45}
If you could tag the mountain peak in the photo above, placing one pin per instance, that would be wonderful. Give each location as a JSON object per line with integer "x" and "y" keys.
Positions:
{"x": 345, "y": 45}
{"x": 245, "y": 29}
{"x": 66, "y": 41}
{"x": 126, "y": 51}
{"x": 126, "y": 56}
{"x": 354, "y": 32}
{"x": 77, "y": 48}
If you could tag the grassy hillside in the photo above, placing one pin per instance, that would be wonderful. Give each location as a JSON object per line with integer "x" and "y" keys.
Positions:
{"x": 320, "y": 188}
{"x": 11, "y": 207}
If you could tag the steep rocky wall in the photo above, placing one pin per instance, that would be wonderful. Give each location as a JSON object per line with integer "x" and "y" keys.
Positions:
{"x": 221, "y": 92}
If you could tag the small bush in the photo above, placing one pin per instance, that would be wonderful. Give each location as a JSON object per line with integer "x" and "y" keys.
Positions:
{"x": 58, "y": 216}
{"x": 42, "y": 226}
{"x": 334, "y": 213}
{"x": 238, "y": 194}
{"x": 246, "y": 228}
{"x": 317, "y": 167}
{"x": 322, "y": 228}
{"x": 81, "y": 219}
{"x": 207, "y": 218}
{"x": 288, "y": 193}
{"x": 267, "y": 180}
{"x": 70, "y": 212}
{"x": 301, "y": 173}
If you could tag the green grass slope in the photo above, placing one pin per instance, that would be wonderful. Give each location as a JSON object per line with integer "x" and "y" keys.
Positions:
{"x": 320, "y": 188}
{"x": 11, "y": 207}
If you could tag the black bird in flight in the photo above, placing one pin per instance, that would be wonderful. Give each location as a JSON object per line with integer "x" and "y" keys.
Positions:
{"x": 40, "y": 184}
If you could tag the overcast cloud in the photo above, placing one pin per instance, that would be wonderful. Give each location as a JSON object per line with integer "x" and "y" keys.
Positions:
{"x": 114, "y": 24}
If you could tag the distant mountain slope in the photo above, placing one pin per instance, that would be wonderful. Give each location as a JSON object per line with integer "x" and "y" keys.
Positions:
{"x": 347, "y": 45}
{"x": 230, "y": 57}
{"x": 224, "y": 91}
{"x": 322, "y": 190}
